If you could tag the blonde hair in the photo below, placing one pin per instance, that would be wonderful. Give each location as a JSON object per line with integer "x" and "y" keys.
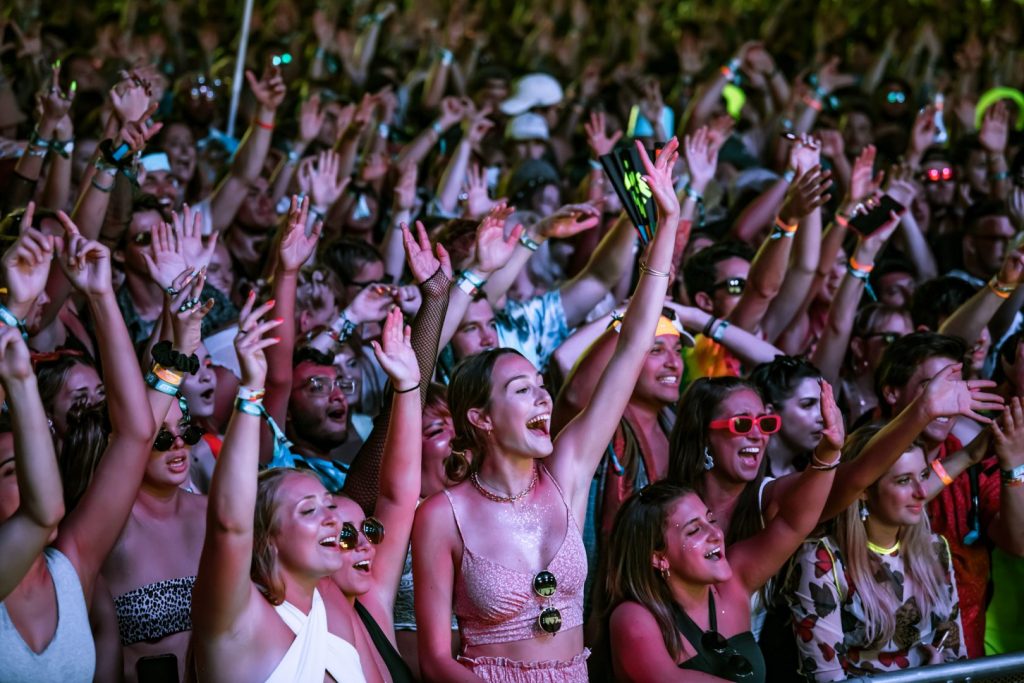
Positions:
{"x": 925, "y": 572}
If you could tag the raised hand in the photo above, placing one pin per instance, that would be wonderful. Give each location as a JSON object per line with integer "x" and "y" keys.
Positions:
{"x": 569, "y": 220}
{"x": 452, "y": 110}
{"x": 395, "y": 354}
{"x": 869, "y": 246}
{"x": 129, "y": 99}
{"x": 492, "y": 248}
{"x": 830, "y": 79}
{"x": 408, "y": 299}
{"x": 922, "y": 134}
{"x": 900, "y": 185}
{"x": 250, "y": 342}
{"x": 54, "y": 102}
{"x": 833, "y": 433}
{"x": 476, "y": 127}
{"x": 1012, "y": 270}
{"x": 85, "y": 263}
{"x": 862, "y": 183}
{"x": 995, "y": 128}
{"x": 15, "y": 361}
{"x": 422, "y": 262}
{"x": 405, "y": 188}
{"x": 598, "y": 140}
{"x": 311, "y": 119}
{"x": 808, "y": 192}
{"x": 296, "y": 246}
{"x": 805, "y": 154}
{"x": 187, "y": 309}
{"x": 371, "y": 304}
{"x": 947, "y": 395}
{"x": 188, "y": 226}
{"x": 165, "y": 257}
{"x": 1008, "y": 435}
{"x": 26, "y": 265}
{"x": 478, "y": 201}
{"x": 324, "y": 182}
{"x": 652, "y": 104}
{"x": 137, "y": 133}
{"x": 659, "y": 177}
{"x": 832, "y": 145}
{"x": 270, "y": 89}
{"x": 701, "y": 158}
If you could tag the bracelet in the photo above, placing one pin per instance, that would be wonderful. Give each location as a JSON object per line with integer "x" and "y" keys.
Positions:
{"x": 406, "y": 391}
{"x": 63, "y": 147}
{"x": 168, "y": 375}
{"x": 383, "y": 130}
{"x": 468, "y": 283}
{"x": 527, "y": 242}
{"x": 692, "y": 193}
{"x": 842, "y": 221}
{"x": 719, "y": 332}
{"x": 708, "y": 325}
{"x": 35, "y": 141}
{"x": 789, "y": 175}
{"x": 788, "y": 228}
{"x": 446, "y": 56}
{"x": 1014, "y": 474}
{"x": 862, "y": 275}
{"x": 813, "y": 103}
{"x": 160, "y": 385}
{"x": 999, "y": 289}
{"x": 261, "y": 124}
{"x": 437, "y": 127}
{"x": 100, "y": 187}
{"x": 343, "y": 328}
{"x": 473, "y": 278}
{"x": 249, "y": 394}
{"x": 9, "y": 319}
{"x": 254, "y": 408}
{"x": 595, "y": 164}
{"x": 860, "y": 267}
{"x": 943, "y": 475}
{"x": 173, "y": 360}
{"x": 999, "y": 176}
{"x": 33, "y": 151}
{"x": 824, "y": 466}
{"x": 644, "y": 268}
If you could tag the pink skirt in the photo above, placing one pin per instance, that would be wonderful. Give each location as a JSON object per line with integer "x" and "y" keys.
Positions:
{"x": 503, "y": 670}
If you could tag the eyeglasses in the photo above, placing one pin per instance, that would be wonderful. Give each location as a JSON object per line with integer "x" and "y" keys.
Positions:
{"x": 372, "y": 528}
{"x": 887, "y": 337}
{"x": 937, "y": 175}
{"x": 734, "y": 285}
{"x": 742, "y": 424}
{"x": 545, "y": 585}
{"x": 896, "y": 97}
{"x": 321, "y": 386}
{"x": 738, "y": 667}
{"x": 165, "y": 439}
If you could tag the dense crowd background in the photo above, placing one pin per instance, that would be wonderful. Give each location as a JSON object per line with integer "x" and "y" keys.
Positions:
{"x": 772, "y": 431}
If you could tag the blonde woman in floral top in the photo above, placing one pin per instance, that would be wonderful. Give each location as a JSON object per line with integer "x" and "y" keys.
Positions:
{"x": 877, "y": 594}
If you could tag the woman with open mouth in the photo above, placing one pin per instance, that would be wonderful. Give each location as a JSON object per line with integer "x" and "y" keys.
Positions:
{"x": 503, "y": 550}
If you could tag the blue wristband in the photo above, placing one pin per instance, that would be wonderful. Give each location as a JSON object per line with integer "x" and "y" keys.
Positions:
{"x": 160, "y": 385}
{"x": 254, "y": 408}
{"x": 7, "y": 318}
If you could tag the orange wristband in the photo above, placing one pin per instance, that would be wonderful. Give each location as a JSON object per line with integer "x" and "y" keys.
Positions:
{"x": 785, "y": 227}
{"x": 941, "y": 471}
{"x": 860, "y": 267}
{"x": 264, "y": 126}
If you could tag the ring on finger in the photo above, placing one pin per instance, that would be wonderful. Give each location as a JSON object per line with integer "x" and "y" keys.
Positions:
{"x": 172, "y": 291}
{"x": 189, "y": 304}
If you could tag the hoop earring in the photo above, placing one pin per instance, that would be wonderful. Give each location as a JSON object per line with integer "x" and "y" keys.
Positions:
{"x": 709, "y": 460}
{"x": 665, "y": 573}
{"x": 864, "y": 512}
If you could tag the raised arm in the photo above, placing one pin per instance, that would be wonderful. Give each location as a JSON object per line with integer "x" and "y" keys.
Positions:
{"x": 24, "y": 534}
{"x": 974, "y": 314}
{"x": 759, "y": 557}
{"x": 223, "y": 588}
{"x": 92, "y": 528}
{"x": 1007, "y": 529}
{"x": 580, "y": 446}
{"x": 400, "y": 467}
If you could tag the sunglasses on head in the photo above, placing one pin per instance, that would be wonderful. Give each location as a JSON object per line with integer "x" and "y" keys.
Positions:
{"x": 545, "y": 585}
{"x": 937, "y": 175}
{"x": 743, "y": 424}
{"x": 372, "y": 528}
{"x": 734, "y": 285}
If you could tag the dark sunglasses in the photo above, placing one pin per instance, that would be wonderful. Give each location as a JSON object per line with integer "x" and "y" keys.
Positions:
{"x": 937, "y": 175}
{"x": 738, "y": 667}
{"x": 886, "y": 337}
{"x": 734, "y": 285}
{"x": 742, "y": 424}
{"x": 545, "y": 585}
{"x": 143, "y": 239}
{"x": 348, "y": 539}
{"x": 165, "y": 439}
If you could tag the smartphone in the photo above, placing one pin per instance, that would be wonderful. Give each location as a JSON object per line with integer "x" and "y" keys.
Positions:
{"x": 867, "y": 223}
{"x": 157, "y": 669}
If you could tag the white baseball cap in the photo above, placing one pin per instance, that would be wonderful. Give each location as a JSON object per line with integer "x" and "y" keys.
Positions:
{"x": 533, "y": 90}
{"x": 528, "y": 126}
{"x": 156, "y": 162}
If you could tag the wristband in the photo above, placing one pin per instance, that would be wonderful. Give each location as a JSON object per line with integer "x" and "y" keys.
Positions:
{"x": 1016, "y": 473}
{"x": 100, "y": 187}
{"x": 261, "y": 124}
{"x": 999, "y": 176}
{"x": 692, "y": 193}
{"x": 446, "y": 56}
{"x": 474, "y": 279}
{"x": 999, "y": 289}
{"x": 719, "y": 332}
{"x": 813, "y": 103}
{"x": 250, "y": 394}
{"x": 943, "y": 475}
{"x": 595, "y": 164}
{"x": 63, "y": 147}
{"x": 383, "y": 130}
{"x": 708, "y": 325}
{"x": 467, "y": 285}
{"x": 160, "y": 385}
{"x": 33, "y": 151}
{"x": 860, "y": 267}
{"x": 406, "y": 391}
{"x": 824, "y": 466}
{"x": 9, "y": 319}
{"x": 862, "y": 275}
{"x": 343, "y": 328}
{"x": 527, "y": 242}
{"x": 36, "y": 141}
{"x": 167, "y": 374}
{"x": 842, "y": 221}
{"x": 254, "y": 408}
{"x": 644, "y": 268}
{"x": 788, "y": 228}
{"x": 789, "y": 175}
{"x": 120, "y": 153}
{"x": 437, "y": 127}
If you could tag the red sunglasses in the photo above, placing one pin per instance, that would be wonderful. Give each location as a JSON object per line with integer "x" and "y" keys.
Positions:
{"x": 938, "y": 175}
{"x": 742, "y": 424}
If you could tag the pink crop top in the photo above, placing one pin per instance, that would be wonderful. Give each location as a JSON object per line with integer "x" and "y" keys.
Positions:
{"x": 495, "y": 604}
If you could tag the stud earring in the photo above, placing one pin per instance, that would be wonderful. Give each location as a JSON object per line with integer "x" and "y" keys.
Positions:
{"x": 864, "y": 512}
{"x": 709, "y": 460}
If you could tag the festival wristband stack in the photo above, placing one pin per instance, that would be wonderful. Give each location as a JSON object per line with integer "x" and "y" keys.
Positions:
{"x": 731, "y": 70}
{"x": 37, "y": 146}
{"x": 528, "y": 242}
{"x": 1013, "y": 478}
{"x": 822, "y": 466}
{"x": 862, "y": 272}
{"x": 11, "y": 320}
{"x": 164, "y": 380}
{"x": 167, "y": 357}
{"x": 250, "y": 401}
{"x": 470, "y": 283}
{"x": 999, "y": 289}
{"x": 783, "y": 229}
{"x": 342, "y": 328}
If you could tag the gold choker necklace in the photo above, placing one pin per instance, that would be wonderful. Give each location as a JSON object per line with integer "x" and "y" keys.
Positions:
{"x": 503, "y": 499}
{"x": 883, "y": 551}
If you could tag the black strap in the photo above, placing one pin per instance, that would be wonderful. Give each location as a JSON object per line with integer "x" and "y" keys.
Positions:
{"x": 688, "y": 627}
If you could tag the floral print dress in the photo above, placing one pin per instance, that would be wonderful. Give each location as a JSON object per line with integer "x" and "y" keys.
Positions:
{"x": 829, "y": 621}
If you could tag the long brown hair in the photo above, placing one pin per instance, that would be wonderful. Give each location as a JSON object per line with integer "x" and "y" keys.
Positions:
{"x": 689, "y": 439}
{"x": 470, "y": 388}
{"x": 81, "y": 449}
{"x": 264, "y": 570}
{"x": 923, "y": 567}
{"x": 628, "y": 570}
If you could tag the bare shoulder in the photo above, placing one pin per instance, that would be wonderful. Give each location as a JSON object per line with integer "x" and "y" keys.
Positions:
{"x": 631, "y": 615}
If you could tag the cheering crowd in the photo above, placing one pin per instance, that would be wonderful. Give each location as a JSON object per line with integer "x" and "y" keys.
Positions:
{"x": 518, "y": 342}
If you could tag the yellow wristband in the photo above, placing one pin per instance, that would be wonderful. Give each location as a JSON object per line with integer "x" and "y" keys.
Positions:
{"x": 167, "y": 375}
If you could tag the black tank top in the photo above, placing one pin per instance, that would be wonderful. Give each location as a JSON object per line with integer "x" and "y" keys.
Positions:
{"x": 399, "y": 670}
{"x": 736, "y": 659}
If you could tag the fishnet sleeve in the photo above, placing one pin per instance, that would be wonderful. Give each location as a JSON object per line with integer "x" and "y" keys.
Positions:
{"x": 363, "y": 481}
